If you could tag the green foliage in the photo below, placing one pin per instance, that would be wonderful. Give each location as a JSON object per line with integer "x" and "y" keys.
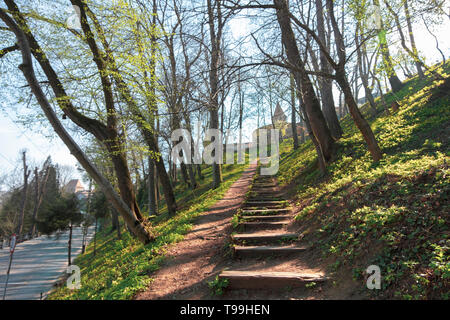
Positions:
{"x": 99, "y": 205}
{"x": 60, "y": 215}
{"x": 11, "y": 206}
{"x": 218, "y": 285}
{"x": 310, "y": 285}
{"x": 393, "y": 213}
{"x": 121, "y": 268}
{"x": 235, "y": 221}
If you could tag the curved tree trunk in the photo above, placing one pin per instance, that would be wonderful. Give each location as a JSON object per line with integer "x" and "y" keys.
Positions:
{"x": 311, "y": 103}
{"x": 320, "y": 159}
{"x": 395, "y": 82}
{"x": 152, "y": 207}
{"x": 27, "y": 68}
{"x": 412, "y": 39}
{"x": 293, "y": 118}
{"x": 342, "y": 80}
{"x": 360, "y": 122}
{"x": 216, "y": 37}
{"x": 362, "y": 66}
{"x": 38, "y": 194}
{"x": 326, "y": 84}
{"x": 140, "y": 120}
{"x": 124, "y": 183}
{"x": 26, "y": 174}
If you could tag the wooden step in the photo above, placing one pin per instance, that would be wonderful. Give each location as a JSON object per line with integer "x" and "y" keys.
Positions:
{"x": 268, "y": 195}
{"x": 265, "y": 191}
{"x": 263, "y": 186}
{"x": 267, "y": 199}
{"x": 265, "y": 225}
{"x": 264, "y": 203}
{"x": 265, "y": 207}
{"x": 265, "y": 211}
{"x": 261, "y": 237}
{"x": 260, "y": 251}
{"x": 268, "y": 279}
{"x": 269, "y": 192}
{"x": 266, "y": 217}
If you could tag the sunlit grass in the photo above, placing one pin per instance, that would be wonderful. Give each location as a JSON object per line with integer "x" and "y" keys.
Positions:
{"x": 123, "y": 267}
{"x": 393, "y": 213}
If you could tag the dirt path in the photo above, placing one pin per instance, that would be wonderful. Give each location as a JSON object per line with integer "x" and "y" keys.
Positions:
{"x": 202, "y": 254}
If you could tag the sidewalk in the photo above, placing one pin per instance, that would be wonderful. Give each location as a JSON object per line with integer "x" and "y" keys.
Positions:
{"x": 37, "y": 264}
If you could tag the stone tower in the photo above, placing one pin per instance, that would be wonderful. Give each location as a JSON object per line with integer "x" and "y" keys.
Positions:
{"x": 279, "y": 115}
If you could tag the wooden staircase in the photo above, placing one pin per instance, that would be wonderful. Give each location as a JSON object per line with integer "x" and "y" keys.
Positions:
{"x": 263, "y": 221}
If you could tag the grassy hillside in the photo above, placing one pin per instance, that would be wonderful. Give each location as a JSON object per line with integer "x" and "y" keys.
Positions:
{"x": 122, "y": 267}
{"x": 395, "y": 213}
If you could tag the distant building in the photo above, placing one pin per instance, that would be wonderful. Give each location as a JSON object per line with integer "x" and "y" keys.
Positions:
{"x": 279, "y": 115}
{"x": 279, "y": 120}
{"x": 285, "y": 130}
{"x": 75, "y": 187}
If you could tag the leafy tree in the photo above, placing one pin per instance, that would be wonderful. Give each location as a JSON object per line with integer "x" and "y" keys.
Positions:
{"x": 59, "y": 216}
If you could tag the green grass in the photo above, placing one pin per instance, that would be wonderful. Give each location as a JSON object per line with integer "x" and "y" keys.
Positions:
{"x": 218, "y": 286}
{"x": 394, "y": 213}
{"x": 123, "y": 267}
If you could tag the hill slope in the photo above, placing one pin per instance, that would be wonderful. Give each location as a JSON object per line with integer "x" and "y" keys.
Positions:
{"x": 395, "y": 213}
{"x": 120, "y": 268}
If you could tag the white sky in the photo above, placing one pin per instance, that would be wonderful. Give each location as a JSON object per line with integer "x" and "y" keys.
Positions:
{"x": 14, "y": 137}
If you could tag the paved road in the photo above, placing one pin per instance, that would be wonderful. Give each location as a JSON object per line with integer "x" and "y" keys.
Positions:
{"x": 37, "y": 264}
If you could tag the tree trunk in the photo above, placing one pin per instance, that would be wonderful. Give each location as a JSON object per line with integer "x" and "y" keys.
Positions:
{"x": 341, "y": 78}
{"x": 191, "y": 176}
{"x": 326, "y": 84}
{"x": 88, "y": 211}
{"x": 241, "y": 154}
{"x": 125, "y": 183}
{"x": 115, "y": 222}
{"x": 184, "y": 174}
{"x": 199, "y": 172}
{"x": 364, "y": 74}
{"x": 69, "y": 249}
{"x": 152, "y": 207}
{"x": 360, "y": 122}
{"x": 95, "y": 235}
{"x": 293, "y": 118}
{"x": 190, "y": 166}
{"x": 26, "y": 174}
{"x": 141, "y": 122}
{"x": 214, "y": 79}
{"x": 312, "y": 106}
{"x": 320, "y": 159}
{"x": 38, "y": 194}
{"x": 130, "y": 218}
{"x": 395, "y": 82}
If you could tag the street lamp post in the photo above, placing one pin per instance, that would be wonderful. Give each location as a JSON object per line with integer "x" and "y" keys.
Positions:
{"x": 12, "y": 246}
